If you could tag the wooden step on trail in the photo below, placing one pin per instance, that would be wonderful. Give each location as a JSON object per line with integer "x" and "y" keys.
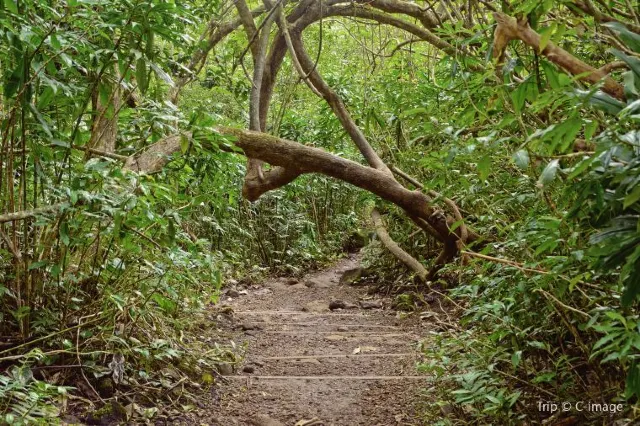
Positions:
{"x": 318, "y": 324}
{"x": 314, "y": 314}
{"x": 329, "y": 377}
{"x": 346, "y": 333}
{"x": 359, "y": 355}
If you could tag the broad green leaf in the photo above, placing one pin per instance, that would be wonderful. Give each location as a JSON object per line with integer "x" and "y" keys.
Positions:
{"x": 549, "y": 173}
{"x": 64, "y": 233}
{"x": 632, "y": 197}
{"x": 552, "y": 75}
{"x": 515, "y": 359}
{"x": 632, "y": 384}
{"x": 141, "y": 75}
{"x": 521, "y": 158}
{"x": 11, "y": 6}
{"x": 634, "y": 63}
{"x": 590, "y": 129}
{"x": 149, "y": 52}
{"x": 606, "y": 339}
{"x": 162, "y": 75}
{"x": 629, "y": 37}
{"x": 631, "y": 278}
{"x": 413, "y": 111}
{"x": 545, "y": 36}
{"x": 602, "y": 101}
{"x": 184, "y": 144}
{"x": 484, "y": 167}
{"x": 631, "y": 83}
{"x": 37, "y": 265}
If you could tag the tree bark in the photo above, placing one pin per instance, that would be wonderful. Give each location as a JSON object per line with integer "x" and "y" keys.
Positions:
{"x": 395, "y": 249}
{"x": 297, "y": 159}
{"x": 338, "y": 107}
{"x": 104, "y": 128}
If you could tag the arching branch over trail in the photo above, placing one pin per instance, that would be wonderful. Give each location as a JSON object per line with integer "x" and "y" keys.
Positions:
{"x": 296, "y": 159}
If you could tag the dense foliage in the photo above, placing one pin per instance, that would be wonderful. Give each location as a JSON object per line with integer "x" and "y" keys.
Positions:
{"x": 544, "y": 166}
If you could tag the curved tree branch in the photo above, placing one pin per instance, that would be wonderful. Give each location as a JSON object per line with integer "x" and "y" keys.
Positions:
{"x": 395, "y": 249}
{"x": 588, "y": 8}
{"x": 298, "y": 159}
{"x": 338, "y": 107}
{"x": 509, "y": 28}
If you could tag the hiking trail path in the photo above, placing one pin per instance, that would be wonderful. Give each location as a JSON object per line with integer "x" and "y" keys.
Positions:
{"x": 308, "y": 365}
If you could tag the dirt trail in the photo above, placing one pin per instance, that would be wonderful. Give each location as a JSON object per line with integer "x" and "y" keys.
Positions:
{"x": 303, "y": 361}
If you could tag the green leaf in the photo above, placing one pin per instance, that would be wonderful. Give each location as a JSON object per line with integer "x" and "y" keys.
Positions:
{"x": 518, "y": 97}
{"x": 149, "y": 47}
{"x": 631, "y": 278}
{"x": 606, "y": 339}
{"x": 184, "y": 144}
{"x": 617, "y": 316}
{"x": 11, "y": 6}
{"x": 413, "y": 111}
{"x": 552, "y": 75}
{"x": 629, "y": 37}
{"x": 634, "y": 63}
{"x": 549, "y": 172}
{"x": 602, "y": 101}
{"x": 141, "y": 75}
{"x": 55, "y": 42}
{"x": 37, "y": 265}
{"x": 515, "y": 359}
{"x": 41, "y": 120}
{"x": 13, "y": 81}
{"x": 590, "y": 129}
{"x": 632, "y": 197}
{"x": 632, "y": 384}
{"x": 162, "y": 75}
{"x": 46, "y": 97}
{"x": 546, "y": 34}
{"x": 64, "y": 233}
{"x": 630, "y": 86}
{"x": 484, "y": 167}
{"x": 521, "y": 158}
{"x": 171, "y": 232}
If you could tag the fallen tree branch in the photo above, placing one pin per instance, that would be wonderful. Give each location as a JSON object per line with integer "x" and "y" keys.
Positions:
{"x": 259, "y": 52}
{"x": 395, "y": 249}
{"x": 616, "y": 65}
{"x": 297, "y": 159}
